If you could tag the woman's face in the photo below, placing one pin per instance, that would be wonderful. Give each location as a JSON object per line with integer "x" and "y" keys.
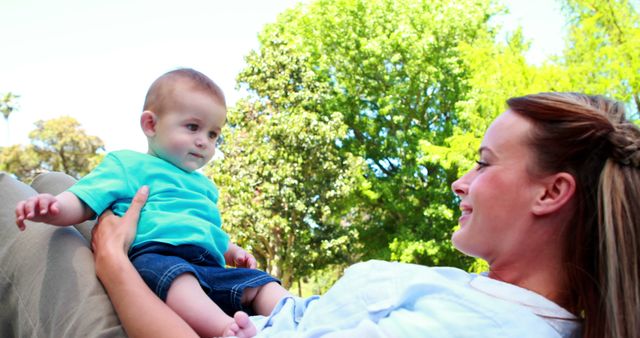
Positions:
{"x": 497, "y": 195}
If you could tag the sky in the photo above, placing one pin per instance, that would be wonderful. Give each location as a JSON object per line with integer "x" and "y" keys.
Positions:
{"x": 94, "y": 60}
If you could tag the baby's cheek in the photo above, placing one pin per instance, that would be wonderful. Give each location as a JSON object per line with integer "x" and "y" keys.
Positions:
{"x": 177, "y": 147}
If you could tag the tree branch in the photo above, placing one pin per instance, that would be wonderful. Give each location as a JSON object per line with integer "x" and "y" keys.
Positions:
{"x": 615, "y": 23}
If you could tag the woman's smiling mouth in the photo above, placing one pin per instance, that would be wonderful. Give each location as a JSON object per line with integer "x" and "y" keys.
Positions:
{"x": 466, "y": 211}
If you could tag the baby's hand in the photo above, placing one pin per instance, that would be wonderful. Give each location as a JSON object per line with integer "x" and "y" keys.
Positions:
{"x": 243, "y": 259}
{"x": 37, "y": 208}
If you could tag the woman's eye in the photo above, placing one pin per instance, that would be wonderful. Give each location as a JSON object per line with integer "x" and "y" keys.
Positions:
{"x": 192, "y": 127}
{"x": 481, "y": 164}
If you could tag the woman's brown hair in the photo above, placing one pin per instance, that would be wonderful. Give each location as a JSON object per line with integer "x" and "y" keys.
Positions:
{"x": 590, "y": 138}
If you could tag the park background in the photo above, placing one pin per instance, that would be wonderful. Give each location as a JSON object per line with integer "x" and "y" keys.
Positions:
{"x": 348, "y": 120}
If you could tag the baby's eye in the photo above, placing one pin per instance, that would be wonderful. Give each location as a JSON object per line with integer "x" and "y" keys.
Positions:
{"x": 213, "y": 135}
{"x": 192, "y": 126}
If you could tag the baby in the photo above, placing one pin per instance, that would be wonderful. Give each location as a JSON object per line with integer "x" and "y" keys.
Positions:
{"x": 180, "y": 249}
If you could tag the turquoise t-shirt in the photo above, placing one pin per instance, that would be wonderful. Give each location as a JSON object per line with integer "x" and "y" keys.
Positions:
{"x": 181, "y": 208}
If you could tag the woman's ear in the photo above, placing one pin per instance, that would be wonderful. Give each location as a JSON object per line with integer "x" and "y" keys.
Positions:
{"x": 558, "y": 190}
{"x": 148, "y": 121}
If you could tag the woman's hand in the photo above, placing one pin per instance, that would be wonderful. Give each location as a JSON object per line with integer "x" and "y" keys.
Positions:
{"x": 113, "y": 234}
{"x": 141, "y": 312}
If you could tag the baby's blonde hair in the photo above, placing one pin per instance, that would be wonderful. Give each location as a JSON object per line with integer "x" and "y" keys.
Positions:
{"x": 161, "y": 89}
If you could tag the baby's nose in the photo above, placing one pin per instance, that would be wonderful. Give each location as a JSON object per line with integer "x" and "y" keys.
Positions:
{"x": 200, "y": 142}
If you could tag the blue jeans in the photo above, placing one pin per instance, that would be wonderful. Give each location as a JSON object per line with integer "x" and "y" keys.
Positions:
{"x": 160, "y": 264}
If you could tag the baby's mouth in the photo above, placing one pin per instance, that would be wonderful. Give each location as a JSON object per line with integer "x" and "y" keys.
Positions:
{"x": 196, "y": 155}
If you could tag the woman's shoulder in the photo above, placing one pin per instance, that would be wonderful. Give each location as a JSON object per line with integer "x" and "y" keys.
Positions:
{"x": 408, "y": 272}
{"x": 450, "y": 295}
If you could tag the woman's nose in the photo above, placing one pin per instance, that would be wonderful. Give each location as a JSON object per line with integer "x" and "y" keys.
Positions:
{"x": 459, "y": 186}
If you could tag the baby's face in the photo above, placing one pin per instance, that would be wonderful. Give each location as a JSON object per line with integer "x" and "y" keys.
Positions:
{"x": 187, "y": 132}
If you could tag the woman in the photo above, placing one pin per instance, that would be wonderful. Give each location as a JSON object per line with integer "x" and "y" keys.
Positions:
{"x": 553, "y": 205}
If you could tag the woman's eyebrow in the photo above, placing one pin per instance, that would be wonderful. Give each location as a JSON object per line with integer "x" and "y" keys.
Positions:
{"x": 487, "y": 151}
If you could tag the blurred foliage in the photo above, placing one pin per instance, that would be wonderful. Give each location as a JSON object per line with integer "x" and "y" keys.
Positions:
{"x": 8, "y": 104}
{"x": 56, "y": 145}
{"x": 602, "y": 54}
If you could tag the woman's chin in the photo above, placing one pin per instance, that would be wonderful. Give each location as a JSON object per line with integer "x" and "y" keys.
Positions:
{"x": 457, "y": 240}
{"x": 462, "y": 243}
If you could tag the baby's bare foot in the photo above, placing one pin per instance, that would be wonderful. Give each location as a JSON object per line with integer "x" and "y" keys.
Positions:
{"x": 241, "y": 327}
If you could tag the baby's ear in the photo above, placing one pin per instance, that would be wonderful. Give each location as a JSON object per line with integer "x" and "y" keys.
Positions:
{"x": 148, "y": 121}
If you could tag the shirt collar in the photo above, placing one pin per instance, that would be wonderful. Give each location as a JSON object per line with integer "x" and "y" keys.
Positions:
{"x": 538, "y": 304}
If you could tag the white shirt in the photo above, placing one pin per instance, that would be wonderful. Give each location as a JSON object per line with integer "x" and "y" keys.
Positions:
{"x": 387, "y": 299}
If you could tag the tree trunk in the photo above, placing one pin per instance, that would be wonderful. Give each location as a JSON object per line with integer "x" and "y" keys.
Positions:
{"x": 286, "y": 279}
{"x": 8, "y": 141}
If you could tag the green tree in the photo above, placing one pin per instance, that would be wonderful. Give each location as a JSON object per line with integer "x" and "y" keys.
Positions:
{"x": 56, "y": 145}
{"x": 396, "y": 72}
{"x": 415, "y": 84}
{"x": 286, "y": 188}
{"x": 8, "y": 104}
{"x": 22, "y": 161}
{"x": 602, "y": 53}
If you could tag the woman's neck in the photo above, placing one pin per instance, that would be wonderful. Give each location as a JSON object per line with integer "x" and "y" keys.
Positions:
{"x": 540, "y": 271}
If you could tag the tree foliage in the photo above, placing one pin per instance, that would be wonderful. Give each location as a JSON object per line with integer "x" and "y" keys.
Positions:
{"x": 602, "y": 55}
{"x": 22, "y": 161}
{"x": 8, "y": 104}
{"x": 406, "y": 87}
{"x": 286, "y": 188}
{"x": 56, "y": 145}
{"x": 384, "y": 77}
